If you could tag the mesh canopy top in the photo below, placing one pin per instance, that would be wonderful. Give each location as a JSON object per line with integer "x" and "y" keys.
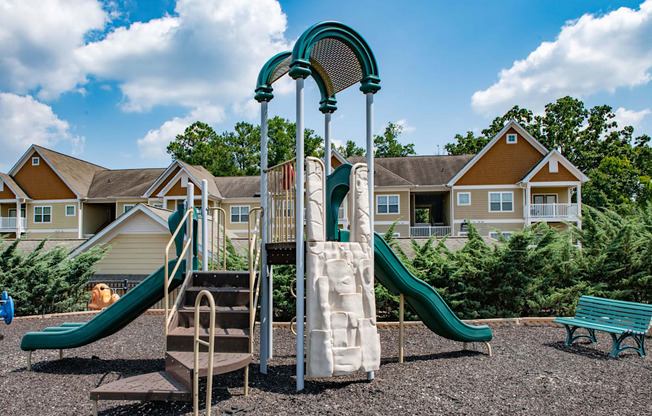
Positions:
{"x": 336, "y": 64}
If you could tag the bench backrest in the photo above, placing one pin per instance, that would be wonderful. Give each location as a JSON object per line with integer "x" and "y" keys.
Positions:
{"x": 632, "y": 315}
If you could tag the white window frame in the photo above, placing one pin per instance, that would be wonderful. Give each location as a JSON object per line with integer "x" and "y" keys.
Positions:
{"x": 239, "y": 214}
{"x": 511, "y": 139}
{"x": 398, "y": 204}
{"x": 74, "y": 210}
{"x": 501, "y": 201}
{"x": 42, "y": 214}
{"x": 127, "y": 207}
{"x": 496, "y": 234}
{"x": 458, "y": 199}
{"x": 37, "y": 160}
{"x": 15, "y": 211}
{"x": 343, "y": 214}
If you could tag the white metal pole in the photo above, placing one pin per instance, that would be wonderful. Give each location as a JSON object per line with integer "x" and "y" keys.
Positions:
{"x": 327, "y": 143}
{"x": 190, "y": 204}
{"x": 204, "y": 225}
{"x": 299, "y": 235}
{"x": 370, "y": 178}
{"x": 265, "y": 307}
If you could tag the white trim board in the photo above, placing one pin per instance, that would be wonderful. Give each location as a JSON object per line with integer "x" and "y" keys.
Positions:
{"x": 489, "y": 221}
{"x": 51, "y": 230}
{"x": 480, "y": 187}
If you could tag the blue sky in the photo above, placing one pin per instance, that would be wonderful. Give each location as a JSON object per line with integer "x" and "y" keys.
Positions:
{"x": 113, "y": 82}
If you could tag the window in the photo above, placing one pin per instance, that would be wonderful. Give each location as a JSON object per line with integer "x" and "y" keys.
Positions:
{"x": 464, "y": 198}
{"x": 70, "y": 210}
{"x": 42, "y": 214}
{"x": 128, "y": 207}
{"x": 342, "y": 211}
{"x": 387, "y": 204}
{"x": 501, "y": 201}
{"x": 240, "y": 213}
{"x": 496, "y": 235}
{"x": 511, "y": 138}
{"x": 157, "y": 205}
{"x": 12, "y": 213}
{"x": 36, "y": 161}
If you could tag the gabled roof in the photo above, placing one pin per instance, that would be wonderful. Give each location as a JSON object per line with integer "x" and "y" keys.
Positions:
{"x": 415, "y": 170}
{"x": 195, "y": 173}
{"x": 77, "y": 174}
{"x": 123, "y": 183}
{"x": 13, "y": 186}
{"x": 512, "y": 124}
{"x": 555, "y": 154}
{"x": 157, "y": 214}
{"x": 238, "y": 186}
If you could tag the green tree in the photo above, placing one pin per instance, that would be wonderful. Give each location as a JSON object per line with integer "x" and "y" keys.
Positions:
{"x": 351, "y": 149}
{"x": 387, "y": 144}
{"x": 282, "y": 141}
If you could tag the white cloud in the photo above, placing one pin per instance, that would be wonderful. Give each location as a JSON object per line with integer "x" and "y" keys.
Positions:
{"x": 25, "y": 121}
{"x": 630, "y": 117}
{"x": 38, "y": 39}
{"x": 154, "y": 145}
{"x": 210, "y": 51}
{"x": 590, "y": 54}
{"x": 406, "y": 127}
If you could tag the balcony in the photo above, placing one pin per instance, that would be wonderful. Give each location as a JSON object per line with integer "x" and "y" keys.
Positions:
{"x": 548, "y": 211}
{"x": 9, "y": 223}
{"x": 428, "y": 230}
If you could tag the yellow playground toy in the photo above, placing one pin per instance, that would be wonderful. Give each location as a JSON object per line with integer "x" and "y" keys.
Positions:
{"x": 102, "y": 297}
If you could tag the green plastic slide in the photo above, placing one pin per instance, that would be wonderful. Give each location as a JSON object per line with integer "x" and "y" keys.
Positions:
{"x": 423, "y": 298}
{"x": 112, "y": 319}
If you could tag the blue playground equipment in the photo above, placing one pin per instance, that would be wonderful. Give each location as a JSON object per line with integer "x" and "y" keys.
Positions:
{"x": 6, "y": 307}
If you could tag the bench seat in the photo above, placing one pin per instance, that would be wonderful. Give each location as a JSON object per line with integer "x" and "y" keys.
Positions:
{"x": 620, "y": 319}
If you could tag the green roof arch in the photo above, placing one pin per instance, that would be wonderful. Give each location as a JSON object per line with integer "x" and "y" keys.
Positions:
{"x": 327, "y": 47}
{"x": 275, "y": 68}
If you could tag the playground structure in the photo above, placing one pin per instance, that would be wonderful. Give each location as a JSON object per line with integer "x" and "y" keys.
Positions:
{"x": 102, "y": 297}
{"x": 6, "y": 307}
{"x": 338, "y": 265}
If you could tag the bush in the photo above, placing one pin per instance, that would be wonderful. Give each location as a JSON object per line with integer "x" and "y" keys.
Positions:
{"x": 46, "y": 281}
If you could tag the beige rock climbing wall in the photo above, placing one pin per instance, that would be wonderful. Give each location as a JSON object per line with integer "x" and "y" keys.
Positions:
{"x": 341, "y": 305}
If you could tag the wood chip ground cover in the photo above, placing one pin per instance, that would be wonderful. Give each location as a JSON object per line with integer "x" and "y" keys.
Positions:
{"x": 531, "y": 373}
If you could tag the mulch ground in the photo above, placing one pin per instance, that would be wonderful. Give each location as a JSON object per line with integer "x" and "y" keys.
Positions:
{"x": 531, "y": 373}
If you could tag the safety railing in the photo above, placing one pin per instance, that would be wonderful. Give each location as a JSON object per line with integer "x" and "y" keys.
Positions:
{"x": 211, "y": 353}
{"x": 430, "y": 230}
{"x": 186, "y": 221}
{"x": 256, "y": 216}
{"x": 218, "y": 227}
{"x": 10, "y": 223}
{"x": 553, "y": 210}
{"x": 281, "y": 202}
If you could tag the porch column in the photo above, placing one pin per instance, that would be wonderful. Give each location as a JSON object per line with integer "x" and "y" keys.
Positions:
{"x": 579, "y": 205}
{"x": 80, "y": 222}
{"x": 527, "y": 203}
{"x": 452, "y": 213}
{"x": 18, "y": 219}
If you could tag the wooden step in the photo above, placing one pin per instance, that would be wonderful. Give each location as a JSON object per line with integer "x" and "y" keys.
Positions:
{"x": 153, "y": 386}
{"x": 221, "y": 279}
{"x": 223, "y": 296}
{"x": 181, "y": 365}
{"x": 234, "y": 340}
{"x": 225, "y": 317}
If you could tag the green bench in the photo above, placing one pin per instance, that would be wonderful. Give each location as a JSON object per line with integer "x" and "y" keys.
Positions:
{"x": 619, "y": 318}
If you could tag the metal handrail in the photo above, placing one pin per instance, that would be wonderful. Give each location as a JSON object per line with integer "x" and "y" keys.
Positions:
{"x": 168, "y": 277}
{"x": 221, "y": 224}
{"x": 280, "y": 164}
{"x": 255, "y": 258}
{"x": 211, "y": 353}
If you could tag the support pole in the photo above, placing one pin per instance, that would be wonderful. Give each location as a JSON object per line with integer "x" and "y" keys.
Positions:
{"x": 401, "y": 326}
{"x": 190, "y": 204}
{"x": 299, "y": 235}
{"x": 265, "y": 301}
{"x": 327, "y": 143}
{"x": 204, "y": 225}
{"x": 370, "y": 178}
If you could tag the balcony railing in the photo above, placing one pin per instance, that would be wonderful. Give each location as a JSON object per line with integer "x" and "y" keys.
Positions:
{"x": 9, "y": 223}
{"x": 430, "y": 230}
{"x": 553, "y": 211}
